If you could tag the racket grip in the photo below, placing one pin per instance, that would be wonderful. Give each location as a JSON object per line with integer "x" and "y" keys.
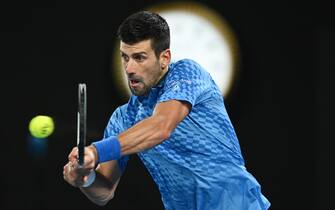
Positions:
{"x": 90, "y": 180}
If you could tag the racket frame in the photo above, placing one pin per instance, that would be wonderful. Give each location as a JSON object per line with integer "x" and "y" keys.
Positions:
{"x": 81, "y": 122}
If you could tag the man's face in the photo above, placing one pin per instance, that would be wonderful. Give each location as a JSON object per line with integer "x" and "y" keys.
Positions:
{"x": 141, "y": 65}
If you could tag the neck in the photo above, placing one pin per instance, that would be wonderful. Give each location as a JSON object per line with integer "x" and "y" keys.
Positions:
{"x": 162, "y": 76}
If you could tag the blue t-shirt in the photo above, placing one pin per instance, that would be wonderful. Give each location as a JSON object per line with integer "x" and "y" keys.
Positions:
{"x": 200, "y": 166}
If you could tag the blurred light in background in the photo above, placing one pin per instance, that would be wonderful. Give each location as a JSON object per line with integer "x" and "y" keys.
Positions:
{"x": 198, "y": 33}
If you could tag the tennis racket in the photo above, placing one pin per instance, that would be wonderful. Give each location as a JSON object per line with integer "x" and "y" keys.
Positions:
{"x": 81, "y": 122}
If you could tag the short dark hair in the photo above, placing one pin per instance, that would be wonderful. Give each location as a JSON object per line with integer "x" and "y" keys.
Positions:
{"x": 145, "y": 25}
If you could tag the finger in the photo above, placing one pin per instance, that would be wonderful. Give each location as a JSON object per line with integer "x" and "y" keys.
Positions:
{"x": 66, "y": 167}
{"x": 72, "y": 171}
{"x": 77, "y": 170}
{"x": 89, "y": 161}
{"x": 74, "y": 149}
{"x": 73, "y": 154}
{"x": 73, "y": 175}
{"x": 89, "y": 158}
{"x": 66, "y": 173}
{"x": 80, "y": 181}
{"x": 74, "y": 164}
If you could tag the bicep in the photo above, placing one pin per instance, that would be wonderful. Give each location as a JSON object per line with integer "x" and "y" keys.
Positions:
{"x": 173, "y": 112}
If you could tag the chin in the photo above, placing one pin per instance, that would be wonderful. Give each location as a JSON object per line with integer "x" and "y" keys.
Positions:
{"x": 142, "y": 92}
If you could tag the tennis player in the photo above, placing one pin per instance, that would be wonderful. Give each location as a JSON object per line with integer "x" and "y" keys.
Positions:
{"x": 176, "y": 122}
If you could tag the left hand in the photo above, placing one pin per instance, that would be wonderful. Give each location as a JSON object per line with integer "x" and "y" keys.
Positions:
{"x": 76, "y": 174}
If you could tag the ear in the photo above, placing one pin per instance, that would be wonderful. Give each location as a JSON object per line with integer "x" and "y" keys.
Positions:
{"x": 165, "y": 58}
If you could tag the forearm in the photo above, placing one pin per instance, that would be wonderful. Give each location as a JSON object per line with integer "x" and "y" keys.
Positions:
{"x": 101, "y": 190}
{"x": 144, "y": 135}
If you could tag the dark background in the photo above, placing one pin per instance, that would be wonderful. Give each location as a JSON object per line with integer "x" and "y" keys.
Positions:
{"x": 281, "y": 106}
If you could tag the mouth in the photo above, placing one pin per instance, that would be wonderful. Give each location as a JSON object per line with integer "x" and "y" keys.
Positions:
{"x": 134, "y": 82}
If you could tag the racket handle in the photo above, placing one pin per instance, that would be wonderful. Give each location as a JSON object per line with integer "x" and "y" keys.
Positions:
{"x": 91, "y": 179}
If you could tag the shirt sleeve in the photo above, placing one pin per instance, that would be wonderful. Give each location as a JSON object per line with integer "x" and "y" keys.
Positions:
{"x": 187, "y": 81}
{"x": 114, "y": 127}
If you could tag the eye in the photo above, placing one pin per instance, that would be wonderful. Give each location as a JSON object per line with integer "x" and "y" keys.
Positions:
{"x": 139, "y": 58}
{"x": 124, "y": 57}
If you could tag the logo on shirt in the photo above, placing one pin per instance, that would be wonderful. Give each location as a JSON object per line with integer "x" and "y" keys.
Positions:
{"x": 176, "y": 88}
{"x": 176, "y": 85}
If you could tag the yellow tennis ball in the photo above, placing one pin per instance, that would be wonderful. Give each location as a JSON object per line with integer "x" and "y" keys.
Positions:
{"x": 41, "y": 126}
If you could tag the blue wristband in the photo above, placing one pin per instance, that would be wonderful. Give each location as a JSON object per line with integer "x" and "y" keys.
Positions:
{"x": 108, "y": 149}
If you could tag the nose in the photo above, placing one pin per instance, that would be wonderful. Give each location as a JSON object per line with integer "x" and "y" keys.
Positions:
{"x": 130, "y": 67}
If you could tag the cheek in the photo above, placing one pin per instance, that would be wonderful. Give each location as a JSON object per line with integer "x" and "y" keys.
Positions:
{"x": 154, "y": 73}
{"x": 150, "y": 72}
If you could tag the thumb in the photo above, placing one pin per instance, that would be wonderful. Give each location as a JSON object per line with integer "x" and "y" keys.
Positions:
{"x": 73, "y": 155}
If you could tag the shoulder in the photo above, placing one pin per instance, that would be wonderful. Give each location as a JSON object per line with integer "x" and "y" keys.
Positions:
{"x": 186, "y": 64}
{"x": 187, "y": 67}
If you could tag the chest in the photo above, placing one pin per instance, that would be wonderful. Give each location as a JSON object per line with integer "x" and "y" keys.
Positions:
{"x": 144, "y": 110}
{"x": 144, "y": 107}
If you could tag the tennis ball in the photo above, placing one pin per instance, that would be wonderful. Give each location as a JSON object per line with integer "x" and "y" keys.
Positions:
{"x": 41, "y": 126}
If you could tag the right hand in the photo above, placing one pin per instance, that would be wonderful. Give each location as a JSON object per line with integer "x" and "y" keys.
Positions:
{"x": 75, "y": 174}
